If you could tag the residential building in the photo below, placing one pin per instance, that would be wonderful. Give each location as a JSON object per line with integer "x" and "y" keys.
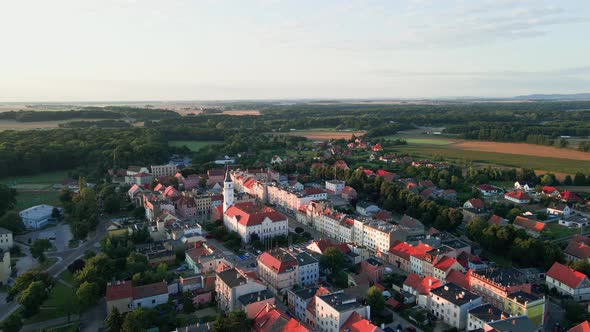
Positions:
{"x": 123, "y": 296}
{"x": 252, "y": 303}
{"x": 511, "y": 324}
{"x": 521, "y": 185}
{"x": 37, "y": 216}
{"x": 521, "y": 303}
{"x": 233, "y": 283}
{"x": 578, "y": 249}
{"x": 349, "y": 193}
{"x": 6, "y": 241}
{"x": 420, "y": 287}
{"x": 335, "y": 187}
{"x": 119, "y": 295}
{"x": 270, "y": 319}
{"x": 494, "y": 284}
{"x": 483, "y": 314}
{"x": 333, "y": 310}
{"x": 568, "y": 281}
{"x": 452, "y": 303}
{"x": 519, "y": 197}
{"x": 132, "y": 171}
{"x": 358, "y": 323}
{"x": 488, "y": 190}
{"x": 531, "y": 227}
{"x": 164, "y": 170}
{"x": 582, "y": 327}
{"x": 282, "y": 268}
{"x": 373, "y": 269}
{"x": 297, "y": 301}
{"x": 559, "y": 209}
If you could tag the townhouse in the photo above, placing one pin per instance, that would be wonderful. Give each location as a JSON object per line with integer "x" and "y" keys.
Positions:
{"x": 452, "y": 303}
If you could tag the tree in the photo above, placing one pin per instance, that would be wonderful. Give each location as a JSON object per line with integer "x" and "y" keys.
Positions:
{"x": 112, "y": 203}
{"x": 579, "y": 179}
{"x": 87, "y": 294}
{"x": 114, "y": 321}
{"x": 234, "y": 321}
{"x": 23, "y": 281}
{"x": 581, "y": 266}
{"x": 332, "y": 260}
{"x": 299, "y": 230}
{"x": 55, "y": 213}
{"x": 139, "y": 213}
{"x": 13, "y": 222}
{"x": 376, "y": 300}
{"x": 38, "y": 249}
{"x": 188, "y": 307}
{"x": 568, "y": 180}
{"x": 12, "y": 323}
{"x": 7, "y": 198}
{"x": 32, "y": 298}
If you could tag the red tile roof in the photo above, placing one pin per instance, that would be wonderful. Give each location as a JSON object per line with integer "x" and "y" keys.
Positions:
{"x": 477, "y": 203}
{"x": 519, "y": 195}
{"x": 383, "y": 215}
{"x": 410, "y": 222}
{"x": 566, "y": 275}
{"x": 294, "y": 325}
{"x": 582, "y": 327}
{"x": 171, "y": 192}
{"x": 445, "y": 263}
{"x": 532, "y": 225}
{"x": 119, "y": 290}
{"x": 549, "y": 190}
{"x": 357, "y": 323}
{"x": 277, "y": 260}
{"x": 459, "y": 278}
{"x": 569, "y": 196}
{"x": 248, "y": 214}
{"x": 578, "y": 249}
{"x": 422, "y": 285}
{"x": 496, "y": 220}
{"x": 269, "y": 319}
{"x": 486, "y": 187}
{"x": 313, "y": 191}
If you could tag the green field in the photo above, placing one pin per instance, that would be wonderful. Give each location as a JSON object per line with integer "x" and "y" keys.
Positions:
{"x": 569, "y": 166}
{"x": 558, "y": 231}
{"x": 417, "y": 140}
{"x": 41, "y": 178}
{"x": 193, "y": 145}
{"x": 60, "y": 299}
{"x": 26, "y": 199}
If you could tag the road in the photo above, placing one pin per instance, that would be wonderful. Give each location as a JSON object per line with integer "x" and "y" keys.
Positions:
{"x": 554, "y": 315}
{"x": 65, "y": 258}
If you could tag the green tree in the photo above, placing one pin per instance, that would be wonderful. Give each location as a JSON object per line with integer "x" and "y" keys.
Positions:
{"x": 12, "y": 323}
{"x": 112, "y": 203}
{"x": 55, "y": 213}
{"x": 32, "y": 298}
{"x": 234, "y": 321}
{"x": 114, "y": 321}
{"x": 13, "y": 222}
{"x": 568, "y": 180}
{"x": 38, "y": 249}
{"x": 376, "y": 300}
{"x": 188, "y": 307}
{"x": 332, "y": 260}
{"x": 7, "y": 198}
{"x": 579, "y": 179}
{"x": 87, "y": 294}
{"x": 581, "y": 266}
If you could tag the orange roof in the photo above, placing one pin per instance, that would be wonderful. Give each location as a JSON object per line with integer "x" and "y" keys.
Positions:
{"x": 119, "y": 290}
{"x": 566, "y": 275}
{"x": 477, "y": 203}
{"x": 250, "y": 215}
{"x": 445, "y": 263}
{"x": 582, "y": 327}
{"x": 496, "y": 220}
{"x": 422, "y": 285}
{"x": 269, "y": 319}
{"x": 279, "y": 261}
{"x": 294, "y": 325}
{"x": 402, "y": 249}
{"x": 569, "y": 196}
{"x": 519, "y": 195}
{"x": 529, "y": 224}
{"x": 458, "y": 278}
{"x": 357, "y": 323}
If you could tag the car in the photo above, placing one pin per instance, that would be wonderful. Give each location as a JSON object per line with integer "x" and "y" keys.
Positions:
{"x": 182, "y": 268}
{"x": 258, "y": 252}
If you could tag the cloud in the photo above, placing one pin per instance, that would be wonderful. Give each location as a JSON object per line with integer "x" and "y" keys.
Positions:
{"x": 513, "y": 74}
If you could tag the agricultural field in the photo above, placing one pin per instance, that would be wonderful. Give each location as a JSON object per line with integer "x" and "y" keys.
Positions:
{"x": 449, "y": 152}
{"x": 322, "y": 134}
{"x": 523, "y": 149}
{"x": 193, "y": 145}
{"x": 424, "y": 140}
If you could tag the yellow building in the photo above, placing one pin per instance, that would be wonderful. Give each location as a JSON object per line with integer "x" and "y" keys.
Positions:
{"x": 521, "y": 303}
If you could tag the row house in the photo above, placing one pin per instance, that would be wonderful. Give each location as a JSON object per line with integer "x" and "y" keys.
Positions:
{"x": 494, "y": 284}
{"x": 420, "y": 287}
{"x": 451, "y": 304}
{"x": 299, "y": 299}
{"x": 334, "y": 309}
{"x": 282, "y": 268}
{"x": 123, "y": 296}
{"x": 401, "y": 252}
{"x": 233, "y": 283}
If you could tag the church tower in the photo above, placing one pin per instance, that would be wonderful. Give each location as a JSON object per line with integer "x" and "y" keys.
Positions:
{"x": 228, "y": 191}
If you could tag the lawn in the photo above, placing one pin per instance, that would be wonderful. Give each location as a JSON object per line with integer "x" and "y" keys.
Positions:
{"x": 60, "y": 298}
{"x": 193, "y": 145}
{"x": 28, "y": 198}
{"x": 447, "y": 152}
{"x": 558, "y": 231}
{"x": 41, "y": 178}
{"x": 67, "y": 277}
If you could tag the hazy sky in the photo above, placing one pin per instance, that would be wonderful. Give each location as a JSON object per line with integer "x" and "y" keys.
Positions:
{"x": 251, "y": 49}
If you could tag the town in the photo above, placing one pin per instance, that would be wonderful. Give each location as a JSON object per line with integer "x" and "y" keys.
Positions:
{"x": 255, "y": 248}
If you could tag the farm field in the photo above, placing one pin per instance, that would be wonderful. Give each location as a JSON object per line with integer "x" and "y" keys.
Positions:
{"x": 568, "y": 166}
{"x": 193, "y": 145}
{"x": 427, "y": 140}
{"x": 523, "y": 149}
{"x": 322, "y": 135}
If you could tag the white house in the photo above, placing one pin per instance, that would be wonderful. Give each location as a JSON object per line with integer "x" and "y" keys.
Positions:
{"x": 452, "y": 303}
{"x": 559, "y": 209}
{"x": 517, "y": 196}
{"x": 521, "y": 185}
{"x": 6, "y": 241}
{"x": 367, "y": 209}
{"x": 568, "y": 281}
{"x": 335, "y": 186}
{"x": 576, "y": 221}
{"x": 332, "y": 310}
{"x": 36, "y": 216}
{"x": 149, "y": 296}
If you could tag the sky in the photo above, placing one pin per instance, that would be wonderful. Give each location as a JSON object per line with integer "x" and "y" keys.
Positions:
{"x": 107, "y": 50}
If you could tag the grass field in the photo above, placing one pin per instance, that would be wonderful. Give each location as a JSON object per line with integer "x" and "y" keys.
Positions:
{"x": 28, "y": 198}
{"x": 430, "y": 140}
{"x": 60, "y": 298}
{"x": 193, "y": 145}
{"x": 41, "y": 178}
{"x": 447, "y": 152}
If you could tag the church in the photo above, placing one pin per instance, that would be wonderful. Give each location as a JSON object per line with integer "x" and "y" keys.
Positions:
{"x": 250, "y": 218}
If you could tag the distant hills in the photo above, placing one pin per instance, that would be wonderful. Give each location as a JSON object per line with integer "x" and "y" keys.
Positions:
{"x": 573, "y": 96}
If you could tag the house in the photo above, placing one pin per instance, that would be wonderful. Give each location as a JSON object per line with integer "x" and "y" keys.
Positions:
{"x": 37, "y": 216}
{"x": 575, "y": 221}
{"x": 373, "y": 269}
{"x": 215, "y": 175}
{"x": 521, "y": 185}
{"x": 420, "y": 287}
{"x": 233, "y": 283}
{"x": 519, "y": 197}
{"x": 333, "y": 310}
{"x": 559, "y": 209}
{"x": 386, "y": 176}
{"x": 281, "y": 268}
{"x": 252, "y": 303}
{"x": 449, "y": 194}
{"x": 335, "y": 187}
{"x": 400, "y": 253}
{"x": 525, "y": 304}
{"x": 123, "y": 296}
{"x": 568, "y": 281}
{"x": 482, "y": 314}
{"x": 549, "y": 191}
{"x": 348, "y": 193}
{"x": 582, "y": 327}
{"x": 495, "y": 284}
{"x": 271, "y": 319}
{"x": 366, "y": 209}
{"x": 6, "y": 241}
{"x": 445, "y": 265}
{"x": 497, "y": 220}
{"x": 578, "y": 249}
{"x": 341, "y": 164}
{"x": 297, "y": 300}
{"x": 532, "y": 227}
{"x": 452, "y": 303}
{"x": 357, "y": 323}
{"x": 474, "y": 203}
{"x": 276, "y": 160}
{"x": 488, "y": 190}
{"x": 569, "y": 197}
{"x": 164, "y": 170}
